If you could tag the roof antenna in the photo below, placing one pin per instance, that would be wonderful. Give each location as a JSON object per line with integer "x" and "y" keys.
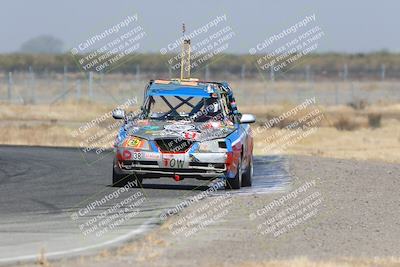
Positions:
{"x": 185, "y": 56}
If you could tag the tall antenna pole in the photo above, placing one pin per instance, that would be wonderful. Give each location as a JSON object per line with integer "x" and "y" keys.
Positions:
{"x": 185, "y": 56}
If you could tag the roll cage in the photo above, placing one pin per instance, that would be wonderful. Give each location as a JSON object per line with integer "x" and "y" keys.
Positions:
{"x": 220, "y": 92}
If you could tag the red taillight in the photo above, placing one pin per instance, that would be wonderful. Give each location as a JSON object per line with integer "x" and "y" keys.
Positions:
{"x": 177, "y": 177}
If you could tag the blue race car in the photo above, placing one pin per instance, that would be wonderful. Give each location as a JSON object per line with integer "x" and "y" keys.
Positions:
{"x": 185, "y": 129}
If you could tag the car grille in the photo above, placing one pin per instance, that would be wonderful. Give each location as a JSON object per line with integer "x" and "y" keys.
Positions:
{"x": 173, "y": 144}
{"x": 209, "y": 165}
{"x": 140, "y": 162}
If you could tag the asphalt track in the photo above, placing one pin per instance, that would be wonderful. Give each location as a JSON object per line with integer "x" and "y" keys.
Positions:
{"x": 42, "y": 189}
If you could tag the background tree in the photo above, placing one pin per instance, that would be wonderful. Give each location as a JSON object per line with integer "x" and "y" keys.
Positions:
{"x": 44, "y": 44}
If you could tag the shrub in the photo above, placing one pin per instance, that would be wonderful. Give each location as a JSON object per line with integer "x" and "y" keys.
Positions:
{"x": 358, "y": 104}
{"x": 374, "y": 120}
{"x": 345, "y": 124}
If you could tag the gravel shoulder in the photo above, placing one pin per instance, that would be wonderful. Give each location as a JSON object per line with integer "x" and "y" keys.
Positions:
{"x": 344, "y": 210}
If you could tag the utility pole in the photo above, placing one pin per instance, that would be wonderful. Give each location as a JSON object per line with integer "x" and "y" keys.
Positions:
{"x": 345, "y": 72}
{"x": 137, "y": 75}
{"x": 272, "y": 74}
{"x": 185, "y": 60}
{"x": 336, "y": 94}
{"x": 243, "y": 72}
{"x": 32, "y": 84}
{"x": 207, "y": 75}
{"x": 78, "y": 89}
{"x": 101, "y": 78}
{"x": 308, "y": 73}
{"x": 90, "y": 85}
{"x": 10, "y": 86}
{"x": 383, "y": 69}
{"x": 64, "y": 82}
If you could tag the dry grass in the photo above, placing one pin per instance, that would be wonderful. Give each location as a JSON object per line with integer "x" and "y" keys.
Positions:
{"x": 42, "y": 260}
{"x": 43, "y": 135}
{"x": 53, "y": 126}
{"x": 381, "y": 144}
{"x": 70, "y": 111}
{"x": 343, "y": 133}
{"x": 304, "y": 262}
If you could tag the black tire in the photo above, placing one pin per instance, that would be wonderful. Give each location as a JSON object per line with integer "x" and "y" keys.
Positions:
{"x": 248, "y": 174}
{"x": 122, "y": 180}
{"x": 235, "y": 182}
{"x": 138, "y": 178}
{"x": 119, "y": 179}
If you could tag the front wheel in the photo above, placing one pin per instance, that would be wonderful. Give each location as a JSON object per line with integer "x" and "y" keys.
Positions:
{"x": 119, "y": 179}
{"x": 237, "y": 181}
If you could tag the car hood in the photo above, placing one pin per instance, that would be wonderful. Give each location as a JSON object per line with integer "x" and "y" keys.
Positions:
{"x": 198, "y": 131}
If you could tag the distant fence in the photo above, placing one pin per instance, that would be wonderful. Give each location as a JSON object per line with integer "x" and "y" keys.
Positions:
{"x": 44, "y": 87}
{"x": 332, "y": 66}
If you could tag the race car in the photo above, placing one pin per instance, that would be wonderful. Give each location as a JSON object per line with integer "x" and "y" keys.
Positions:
{"x": 185, "y": 129}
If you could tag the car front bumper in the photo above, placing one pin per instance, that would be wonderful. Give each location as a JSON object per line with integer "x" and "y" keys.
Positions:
{"x": 157, "y": 165}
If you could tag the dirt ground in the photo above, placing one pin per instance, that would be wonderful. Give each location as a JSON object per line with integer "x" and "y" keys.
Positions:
{"x": 350, "y": 218}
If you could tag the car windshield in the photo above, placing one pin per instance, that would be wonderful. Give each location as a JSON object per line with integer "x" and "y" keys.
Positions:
{"x": 178, "y": 108}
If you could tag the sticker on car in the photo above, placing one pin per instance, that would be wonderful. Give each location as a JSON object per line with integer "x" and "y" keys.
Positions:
{"x": 173, "y": 161}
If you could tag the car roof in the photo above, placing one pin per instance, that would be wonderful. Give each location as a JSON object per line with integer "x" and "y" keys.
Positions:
{"x": 188, "y": 88}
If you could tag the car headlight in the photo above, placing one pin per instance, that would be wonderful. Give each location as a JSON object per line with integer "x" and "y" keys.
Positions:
{"x": 136, "y": 143}
{"x": 212, "y": 146}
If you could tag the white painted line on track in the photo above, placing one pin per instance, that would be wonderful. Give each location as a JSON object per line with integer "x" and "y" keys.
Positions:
{"x": 271, "y": 175}
{"x": 142, "y": 228}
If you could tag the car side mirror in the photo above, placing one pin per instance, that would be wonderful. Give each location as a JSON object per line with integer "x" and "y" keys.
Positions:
{"x": 118, "y": 114}
{"x": 247, "y": 118}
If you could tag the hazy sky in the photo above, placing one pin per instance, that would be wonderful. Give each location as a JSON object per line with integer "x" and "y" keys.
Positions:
{"x": 349, "y": 26}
